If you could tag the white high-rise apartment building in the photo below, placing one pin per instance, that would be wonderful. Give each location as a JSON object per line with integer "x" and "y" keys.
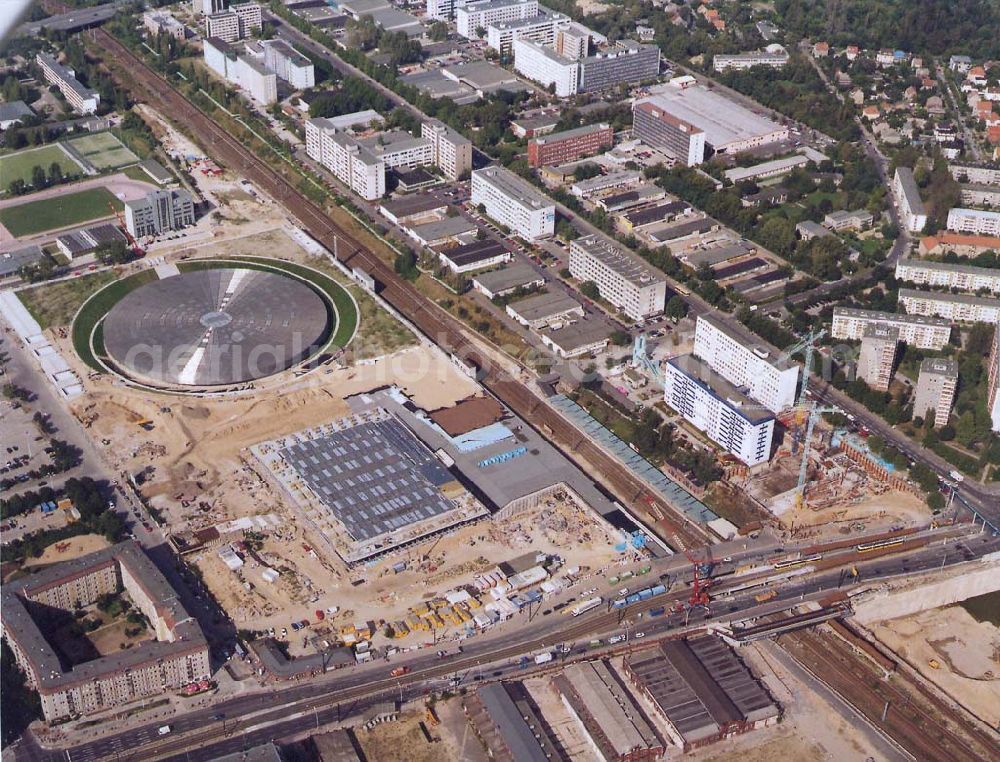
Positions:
{"x": 546, "y": 67}
{"x": 512, "y": 202}
{"x": 82, "y": 99}
{"x": 921, "y": 332}
{"x": 958, "y": 308}
{"x": 936, "y": 387}
{"x": 877, "y": 356}
{"x": 974, "y": 222}
{"x": 452, "y": 150}
{"x": 993, "y": 381}
{"x": 480, "y": 15}
{"x": 621, "y": 277}
{"x": 288, "y": 64}
{"x": 223, "y": 26}
{"x": 251, "y": 17}
{"x": 351, "y": 163}
{"x": 542, "y": 29}
{"x": 719, "y": 409}
{"x": 252, "y": 76}
{"x": 948, "y": 275}
{"x": 444, "y": 10}
{"x": 772, "y": 381}
{"x": 911, "y": 207}
{"x": 400, "y": 149}
{"x": 774, "y": 56}
{"x": 208, "y": 7}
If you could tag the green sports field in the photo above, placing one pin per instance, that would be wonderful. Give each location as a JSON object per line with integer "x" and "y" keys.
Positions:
{"x": 103, "y": 150}
{"x": 19, "y": 165}
{"x": 58, "y": 212}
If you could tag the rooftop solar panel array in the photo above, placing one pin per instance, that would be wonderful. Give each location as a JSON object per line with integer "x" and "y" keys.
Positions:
{"x": 670, "y": 490}
{"x": 374, "y": 476}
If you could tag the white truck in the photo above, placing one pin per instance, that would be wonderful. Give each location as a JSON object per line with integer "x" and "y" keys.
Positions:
{"x": 164, "y": 729}
{"x": 543, "y": 658}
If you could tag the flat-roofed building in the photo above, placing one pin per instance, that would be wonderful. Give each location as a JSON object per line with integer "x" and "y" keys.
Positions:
{"x": 510, "y": 729}
{"x": 288, "y": 64}
{"x": 545, "y": 309}
{"x": 448, "y": 230}
{"x": 25, "y": 256}
{"x": 702, "y": 690}
{"x": 714, "y": 406}
{"x": 921, "y": 332}
{"x": 159, "y": 211}
{"x": 766, "y": 169}
{"x": 911, "y": 207}
{"x": 452, "y": 151}
{"x": 981, "y": 195}
{"x": 601, "y": 183}
{"x": 514, "y": 203}
{"x": 534, "y": 126}
{"x": 659, "y": 129}
{"x": 622, "y": 278}
{"x": 507, "y": 280}
{"x": 626, "y": 62}
{"x": 772, "y": 381}
{"x": 926, "y": 272}
{"x": 651, "y": 215}
{"x": 807, "y": 230}
{"x": 877, "y": 356}
{"x": 158, "y": 22}
{"x": 444, "y": 10}
{"x": 255, "y": 78}
{"x": 543, "y": 65}
{"x": 415, "y": 208}
{"x": 570, "y": 145}
{"x": 400, "y": 149}
{"x": 475, "y": 16}
{"x": 728, "y": 127}
{"x": 959, "y": 308}
{"x": 542, "y": 28}
{"x": 224, "y": 26}
{"x": 774, "y": 56}
{"x": 82, "y": 99}
{"x": 936, "y": 386}
{"x": 250, "y": 16}
{"x": 601, "y": 704}
{"x": 974, "y": 222}
{"x": 715, "y": 255}
{"x": 476, "y": 255}
{"x": 353, "y": 164}
{"x": 975, "y": 174}
{"x": 643, "y": 194}
{"x": 583, "y": 337}
{"x": 993, "y": 381}
{"x": 845, "y": 220}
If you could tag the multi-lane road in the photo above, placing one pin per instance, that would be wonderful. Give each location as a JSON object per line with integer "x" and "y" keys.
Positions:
{"x": 278, "y": 712}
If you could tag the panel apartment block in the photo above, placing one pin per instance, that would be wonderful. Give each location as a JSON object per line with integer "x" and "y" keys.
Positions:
{"x": 626, "y": 62}
{"x": 936, "y": 386}
{"x": 478, "y": 16}
{"x": 716, "y": 407}
{"x": 974, "y": 222}
{"x": 570, "y": 145}
{"x": 877, "y": 356}
{"x": 911, "y": 207}
{"x": 352, "y": 164}
{"x": 513, "y": 202}
{"x": 922, "y": 332}
{"x": 772, "y": 381}
{"x": 959, "y": 308}
{"x": 948, "y": 275}
{"x": 452, "y": 151}
{"x": 82, "y": 99}
{"x": 543, "y": 65}
{"x": 659, "y": 129}
{"x": 622, "y": 278}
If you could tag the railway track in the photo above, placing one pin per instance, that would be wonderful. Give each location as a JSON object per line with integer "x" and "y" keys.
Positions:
{"x": 438, "y": 325}
{"x": 929, "y": 729}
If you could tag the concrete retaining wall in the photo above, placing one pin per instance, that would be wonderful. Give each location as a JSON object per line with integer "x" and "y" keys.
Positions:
{"x": 973, "y": 580}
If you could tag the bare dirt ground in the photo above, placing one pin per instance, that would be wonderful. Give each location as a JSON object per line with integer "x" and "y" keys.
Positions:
{"x": 967, "y": 654}
{"x": 69, "y": 549}
{"x": 872, "y": 513}
{"x": 404, "y": 741}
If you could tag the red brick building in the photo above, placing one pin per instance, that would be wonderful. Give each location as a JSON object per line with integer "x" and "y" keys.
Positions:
{"x": 561, "y": 147}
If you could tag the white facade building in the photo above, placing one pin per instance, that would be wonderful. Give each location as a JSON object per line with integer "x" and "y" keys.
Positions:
{"x": 251, "y": 17}
{"x": 877, "y": 356}
{"x": 444, "y": 10}
{"x": 921, "y": 332}
{"x": 716, "y": 407}
{"x": 256, "y": 80}
{"x": 224, "y": 26}
{"x": 452, "y": 150}
{"x": 352, "y": 164}
{"x": 769, "y": 380}
{"x": 158, "y": 22}
{"x": 972, "y": 173}
{"x": 400, "y": 149}
{"x": 936, "y": 386}
{"x": 622, "y": 278}
{"x": 911, "y": 207}
{"x": 546, "y": 67}
{"x": 82, "y": 99}
{"x": 288, "y": 64}
{"x": 974, "y": 222}
{"x": 993, "y": 382}
{"x": 959, "y": 308}
{"x": 948, "y": 275}
{"x": 480, "y": 15}
{"x": 774, "y": 56}
{"x": 542, "y": 29}
{"x": 511, "y": 201}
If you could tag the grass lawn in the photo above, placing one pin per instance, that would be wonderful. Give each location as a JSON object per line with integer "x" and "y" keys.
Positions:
{"x": 19, "y": 165}
{"x": 57, "y": 212}
{"x": 96, "y": 308}
{"x": 56, "y": 303}
{"x": 103, "y": 150}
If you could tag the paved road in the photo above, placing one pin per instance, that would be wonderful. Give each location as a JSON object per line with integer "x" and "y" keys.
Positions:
{"x": 284, "y": 711}
{"x": 971, "y": 144}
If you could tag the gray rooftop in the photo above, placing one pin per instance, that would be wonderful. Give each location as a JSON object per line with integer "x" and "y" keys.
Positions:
{"x": 944, "y": 296}
{"x": 51, "y": 673}
{"x": 481, "y": 75}
{"x": 890, "y": 317}
{"x": 673, "y": 231}
{"x": 518, "y": 737}
{"x": 657, "y": 213}
{"x": 66, "y": 75}
{"x": 14, "y": 110}
{"x": 950, "y": 267}
{"x": 375, "y": 477}
{"x": 437, "y": 85}
{"x": 449, "y": 227}
{"x": 619, "y": 259}
{"x": 939, "y": 366}
{"x": 12, "y": 261}
{"x": 410, "y": 205}
{"x": 717, "y": 254}
{"x": 910, "y": 190}
{"x": 812, "y": 229}
{"x": 513, "y": 187}
{"x": 576, "y": 132}
{"x": 543, "y": 306}
{"x": 582, "y": 333}
{"x": 701, "y": 373}
{"x": 507, "y": 278}
{"x": 156, "y": 170}
{"x": 396, "y": 20}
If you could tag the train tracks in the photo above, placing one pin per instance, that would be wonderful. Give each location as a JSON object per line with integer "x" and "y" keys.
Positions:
{"x": 924, "y": 725}
{"x": 438, "y": 325}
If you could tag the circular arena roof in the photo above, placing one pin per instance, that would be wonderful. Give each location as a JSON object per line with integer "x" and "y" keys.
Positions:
{"x": 215, "y": 327}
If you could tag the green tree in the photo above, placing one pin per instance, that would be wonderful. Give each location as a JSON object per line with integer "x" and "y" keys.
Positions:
{"x": 676, "y": 308}
{"x": 590, "y": 290}
{"x": 935, "y": 501}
